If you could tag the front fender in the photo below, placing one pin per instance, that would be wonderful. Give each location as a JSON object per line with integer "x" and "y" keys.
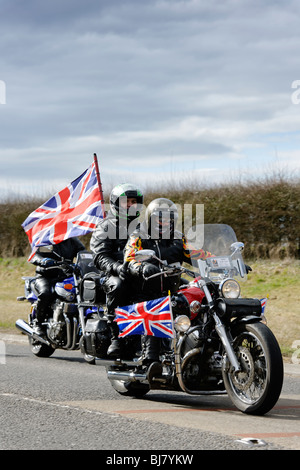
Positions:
{"x": 248, "y": 319}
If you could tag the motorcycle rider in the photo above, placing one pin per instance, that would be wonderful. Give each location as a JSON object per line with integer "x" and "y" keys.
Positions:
{"x": 107, "y": 244}
{"x": 158, "y": 232}
{"x": 48, "y": 257}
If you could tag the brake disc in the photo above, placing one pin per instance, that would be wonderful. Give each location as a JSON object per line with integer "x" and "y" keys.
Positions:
{"x": 243, "y": 379}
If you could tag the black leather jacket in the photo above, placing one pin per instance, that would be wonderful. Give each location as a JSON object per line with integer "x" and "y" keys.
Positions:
{"x": 173, "y": 250}
{"x": 67, "y": 249}
{"x": 108, "y": 242}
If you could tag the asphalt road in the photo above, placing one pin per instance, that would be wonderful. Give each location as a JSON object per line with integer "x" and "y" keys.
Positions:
{"x": 64, "y": 403}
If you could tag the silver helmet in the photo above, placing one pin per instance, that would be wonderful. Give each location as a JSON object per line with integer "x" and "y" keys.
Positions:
{"x": 161, "y": 217}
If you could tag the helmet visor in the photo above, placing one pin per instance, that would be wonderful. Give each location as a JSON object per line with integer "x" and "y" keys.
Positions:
{"x": 162, "y": 224}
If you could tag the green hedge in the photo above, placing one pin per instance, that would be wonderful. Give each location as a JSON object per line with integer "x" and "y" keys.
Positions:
{"x": 265, "y": 215}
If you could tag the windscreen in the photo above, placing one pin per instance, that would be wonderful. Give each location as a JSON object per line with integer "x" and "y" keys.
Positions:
{"x": 224, "y": 253}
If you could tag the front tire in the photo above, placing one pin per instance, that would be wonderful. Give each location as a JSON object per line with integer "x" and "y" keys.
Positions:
{"x": 257, "y": 387}
{"x": 130, "y": 389}
{"x": 89, "y": 359}
{"x": 40, "y": 349}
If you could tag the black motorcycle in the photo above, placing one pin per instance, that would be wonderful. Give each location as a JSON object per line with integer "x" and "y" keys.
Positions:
{"x": 221, "y": 342}
{"x": 77, "y": 319}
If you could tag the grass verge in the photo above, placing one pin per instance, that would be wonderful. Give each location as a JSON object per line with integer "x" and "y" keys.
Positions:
{"x": 279, "y": 280}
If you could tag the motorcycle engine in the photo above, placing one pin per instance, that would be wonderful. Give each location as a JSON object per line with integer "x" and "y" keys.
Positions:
{"x": 56, "y": 331}
{"x": 194, "y": 339}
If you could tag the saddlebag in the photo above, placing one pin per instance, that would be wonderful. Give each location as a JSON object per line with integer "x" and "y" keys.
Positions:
{"x": 96, "y": 338}
{"x": 232, "y": 308}
{"x": 91, "y": 289}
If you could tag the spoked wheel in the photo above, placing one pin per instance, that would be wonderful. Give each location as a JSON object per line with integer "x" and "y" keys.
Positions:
{"x": 256, "y": 388}
{"x": 40, "y": 349}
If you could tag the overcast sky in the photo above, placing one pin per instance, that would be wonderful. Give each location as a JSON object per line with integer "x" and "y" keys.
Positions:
{"x": 159, "y": 89}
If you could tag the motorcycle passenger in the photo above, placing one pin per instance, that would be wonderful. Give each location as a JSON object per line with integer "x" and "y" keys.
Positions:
{"x": 48, "y": 257}
{"x": 107, "y": 244}
{"x": 158, "y": 232}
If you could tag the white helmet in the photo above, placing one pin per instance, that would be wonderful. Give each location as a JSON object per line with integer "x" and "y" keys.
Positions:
{"x": 125, "y": 190}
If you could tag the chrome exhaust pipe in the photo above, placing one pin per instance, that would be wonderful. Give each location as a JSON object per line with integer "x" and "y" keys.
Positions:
{"x": 75, "y": 330}
{"x": 25, "y": 328}
{"x": 69, "y": 332}
{"x": 127, "y": 376}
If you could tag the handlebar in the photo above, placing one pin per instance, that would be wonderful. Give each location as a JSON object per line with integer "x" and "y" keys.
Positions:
{"x": 171, "y": 270}
{"x": 61, "y": 265}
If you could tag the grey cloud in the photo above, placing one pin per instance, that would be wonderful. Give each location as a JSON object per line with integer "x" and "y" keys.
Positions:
{"x": 93, "y": 70}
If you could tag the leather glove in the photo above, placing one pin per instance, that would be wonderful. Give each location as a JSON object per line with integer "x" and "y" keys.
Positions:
{"x": 48, "y": 262}
{"x": 135, "y": 269}
{"x": 122, "y": 272}
{"x": 68, "y": 270}
{"x": 248, "y": 268}
{"x": 149, "y": 269}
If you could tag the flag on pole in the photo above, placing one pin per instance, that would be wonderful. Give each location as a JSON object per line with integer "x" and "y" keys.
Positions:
{"x": 152, "y": 318}
{"x": 73, "y": 211}
{"x": 263, "y": 304}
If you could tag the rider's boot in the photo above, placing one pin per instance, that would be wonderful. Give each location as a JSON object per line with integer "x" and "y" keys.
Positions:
{"x": 151, "y": 346}
{"x": 115, "y": 349}
{"x": 40, "y": 315}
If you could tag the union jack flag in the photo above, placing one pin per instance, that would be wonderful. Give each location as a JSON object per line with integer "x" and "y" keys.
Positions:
{"x": 73, "y": 211}
{"x": 152, "y": 318}
{"x": 263, "y": 304}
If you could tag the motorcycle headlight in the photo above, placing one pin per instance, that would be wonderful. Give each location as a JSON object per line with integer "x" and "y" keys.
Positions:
{"x": 182, "y": 323}
{"x": 230, "y": 289}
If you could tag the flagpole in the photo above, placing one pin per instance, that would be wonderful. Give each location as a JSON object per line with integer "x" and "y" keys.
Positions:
{"x": 170, "y": 301}
{"x": 99, "y": 184}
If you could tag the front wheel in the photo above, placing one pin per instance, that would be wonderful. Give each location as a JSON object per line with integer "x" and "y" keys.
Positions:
{"x": 89, "y": 359}
{"x": 130, "y": 389}
{"x": 256, "y": 388}
{"x": 40, "y": 349}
